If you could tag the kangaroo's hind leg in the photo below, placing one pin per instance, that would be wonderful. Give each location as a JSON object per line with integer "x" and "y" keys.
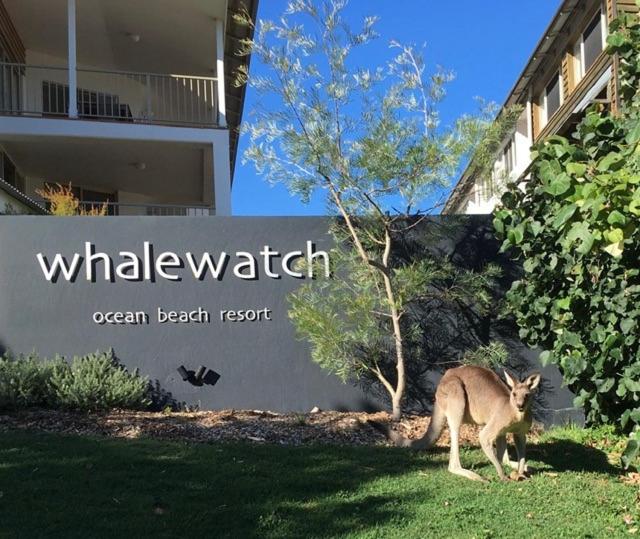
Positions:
{"x": 453, "y": 400}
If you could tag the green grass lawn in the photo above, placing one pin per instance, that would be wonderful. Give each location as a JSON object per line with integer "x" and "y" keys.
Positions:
{"x": 68, "y": 486}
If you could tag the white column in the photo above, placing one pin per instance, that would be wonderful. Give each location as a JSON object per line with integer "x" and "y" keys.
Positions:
{"x": 221, "y": 173}
{"x": 222, "y": 107}
{"x": 71, "y": 42}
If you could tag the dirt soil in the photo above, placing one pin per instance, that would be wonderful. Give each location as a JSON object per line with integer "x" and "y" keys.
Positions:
{"x": 257, "y": 426}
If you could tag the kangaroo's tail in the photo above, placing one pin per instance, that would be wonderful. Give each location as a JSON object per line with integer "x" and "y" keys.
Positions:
{"x": 430, "y": 437}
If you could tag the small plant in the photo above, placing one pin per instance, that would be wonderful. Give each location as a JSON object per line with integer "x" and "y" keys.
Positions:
{"x": 98, "y": 382}
{"x": 25, "y": 381}
{"x": 300, "y": 419}
{"x": 64, "y": 203}
{"x": 93, "y": 382}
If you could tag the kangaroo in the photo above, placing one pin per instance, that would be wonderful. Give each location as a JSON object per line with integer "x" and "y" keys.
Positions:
{"x": 476, "y": 395}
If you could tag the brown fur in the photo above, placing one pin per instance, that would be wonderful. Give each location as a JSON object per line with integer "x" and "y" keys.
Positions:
{"x": 476, "y": 395}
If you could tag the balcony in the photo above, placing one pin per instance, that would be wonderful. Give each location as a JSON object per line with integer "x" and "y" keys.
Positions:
{"x": 121, "y": 99}
{"x": 117, "y": 96}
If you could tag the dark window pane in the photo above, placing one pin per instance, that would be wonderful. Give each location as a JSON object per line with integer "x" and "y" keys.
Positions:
{"x": 592, "y": 38}
{"x": 509, "y": 158}
{"x": 9, "y": 171}
{"x": 553, "y": 95}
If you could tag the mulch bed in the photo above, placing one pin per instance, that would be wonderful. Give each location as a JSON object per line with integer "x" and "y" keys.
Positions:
{"x": 257, "y": 426}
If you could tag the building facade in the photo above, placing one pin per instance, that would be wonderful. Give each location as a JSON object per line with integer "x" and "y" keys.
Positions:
{"x": 132, "y": 103}
{"x": 567, "y": 72}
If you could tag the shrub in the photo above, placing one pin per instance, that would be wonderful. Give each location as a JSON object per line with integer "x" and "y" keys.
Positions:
{"x": 63, "y": 203}
{"x": 98, "y": 382}
{"x": 25, "y": 382}
{"x": 93, "y": 382}
{"x": 576, "y": 226}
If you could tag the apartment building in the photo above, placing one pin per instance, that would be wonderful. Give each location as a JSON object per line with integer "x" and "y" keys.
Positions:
{"x": 131, "y": 102}
{"x": 567, "y": 72}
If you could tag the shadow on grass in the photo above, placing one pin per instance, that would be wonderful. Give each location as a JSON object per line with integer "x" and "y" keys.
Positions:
{"x": 70, "y": 486}
{"x": 569, "y": 456}
{"x": 78, "y": 486}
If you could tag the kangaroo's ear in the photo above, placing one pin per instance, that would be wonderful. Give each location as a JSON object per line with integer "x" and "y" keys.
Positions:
{"x": 532, "y": 381}
{"x": 510, "y": 381}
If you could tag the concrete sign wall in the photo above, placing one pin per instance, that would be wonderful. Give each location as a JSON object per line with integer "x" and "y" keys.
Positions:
{"x": 169, "y": 292}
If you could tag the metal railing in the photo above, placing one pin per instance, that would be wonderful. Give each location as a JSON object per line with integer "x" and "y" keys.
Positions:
{"x": 135, "y": 209}
{"x": 109, "y": 95}
{"x": 156, "y": 210}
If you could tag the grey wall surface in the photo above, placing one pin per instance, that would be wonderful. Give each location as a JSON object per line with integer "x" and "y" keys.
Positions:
{"x": 262, "y": 365}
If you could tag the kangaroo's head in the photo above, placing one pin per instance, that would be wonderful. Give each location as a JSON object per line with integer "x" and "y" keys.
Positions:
{"x": 521, "y": 392}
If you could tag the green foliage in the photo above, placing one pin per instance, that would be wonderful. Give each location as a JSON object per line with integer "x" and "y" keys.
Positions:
{"x": 575, "y": 224}
{"x": 346, "y": 319}
{"x": 25, "y": 382}
{"x": 98, "y": 382}
{"x": 492, "y": 356}
{"x": 370, "y": 137}
{"x": 370, "y": 133}
{"x": 92, "y": 382}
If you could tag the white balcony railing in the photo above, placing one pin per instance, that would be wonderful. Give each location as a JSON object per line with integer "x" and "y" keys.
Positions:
{"x": 156, "y": 210}
{"x": 109, "y": 95}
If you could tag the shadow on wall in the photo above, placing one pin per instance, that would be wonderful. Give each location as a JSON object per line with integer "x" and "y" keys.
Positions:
{"x": 161, "y": 399}
{"x": 448, "y": 329}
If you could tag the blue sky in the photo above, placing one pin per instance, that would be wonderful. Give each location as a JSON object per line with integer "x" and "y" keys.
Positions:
{"x": 486, "y": 44}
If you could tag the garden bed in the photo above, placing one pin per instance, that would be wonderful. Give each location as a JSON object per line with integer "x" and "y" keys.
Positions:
{"x": 334, "y": 428}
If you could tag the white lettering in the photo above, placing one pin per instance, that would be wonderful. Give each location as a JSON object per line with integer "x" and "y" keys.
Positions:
{"x": 198, "y": 316}
{"x": 207, "y": 262}
{"x": 59, "y": 265}
{"x": 168, "y": 260}
{"x": 147, "y": 261}
{"x": 146, "y": 266}
{"x": 132, "y": 265}
{"x": 119, "y": 317}
{"x": 286, "y": 264}
{"x": 249, "y": 263}
{"x": 268, "y": 254}
{"x": 248, "y": 315}
{"x": 92, "y": 258}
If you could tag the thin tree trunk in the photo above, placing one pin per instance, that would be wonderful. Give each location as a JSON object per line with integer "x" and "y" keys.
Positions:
{"x": 397, "y": 333}
{"x": 397, "y": 395}
{"x": 396, "y": 406}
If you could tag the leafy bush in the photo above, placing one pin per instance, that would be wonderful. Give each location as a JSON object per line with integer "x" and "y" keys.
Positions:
{"x": 98, "y": 382}
{"x": 576, "y": 226}
{"x": 25, "y": 382}
{"x": 93, "y": 382}
{"x": 64, "y": 203}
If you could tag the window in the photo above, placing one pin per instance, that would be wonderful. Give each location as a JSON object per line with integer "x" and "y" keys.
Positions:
{"x": 551, "y": 98}
{"x": 10, "y": 84}
{"x": 9, "y": 173}
{"x": 509, "y": 158}
{"x": 590, "y": 45}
